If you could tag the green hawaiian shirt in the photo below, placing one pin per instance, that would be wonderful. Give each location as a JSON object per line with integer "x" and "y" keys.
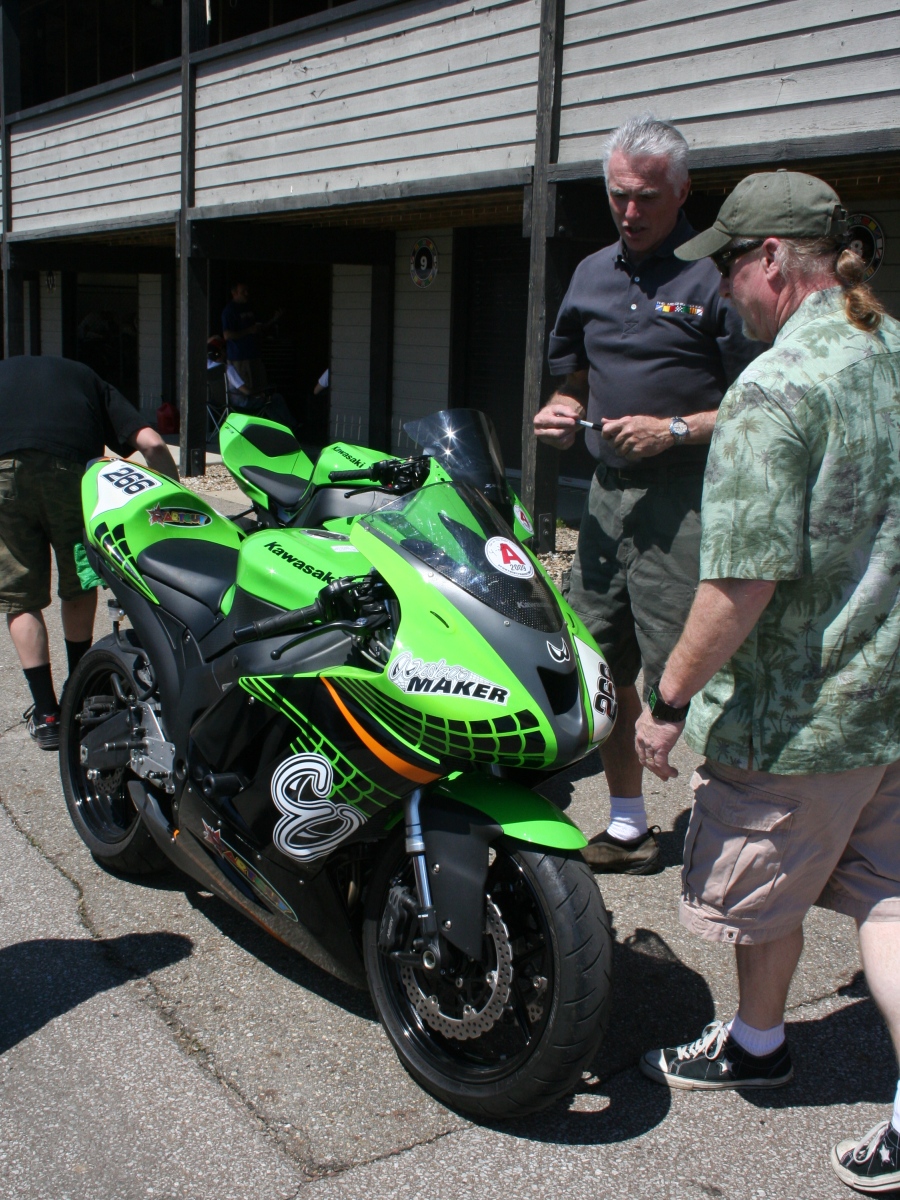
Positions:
{"x": 802, "y": 487}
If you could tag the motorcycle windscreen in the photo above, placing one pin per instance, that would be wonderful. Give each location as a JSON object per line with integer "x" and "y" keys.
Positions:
{"x": 453, "y": 530}
{"x": 465, "y": 443}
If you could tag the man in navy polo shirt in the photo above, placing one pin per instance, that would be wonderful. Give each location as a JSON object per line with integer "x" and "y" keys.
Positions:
{"x": 648, "y": 349}
{"x": 241, "y": 329}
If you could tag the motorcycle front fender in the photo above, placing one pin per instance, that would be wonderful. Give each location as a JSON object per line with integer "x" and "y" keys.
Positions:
{"x": 460, "y": 821}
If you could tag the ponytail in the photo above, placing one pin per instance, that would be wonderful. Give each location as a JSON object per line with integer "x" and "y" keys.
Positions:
{"x": 821, "y": 258}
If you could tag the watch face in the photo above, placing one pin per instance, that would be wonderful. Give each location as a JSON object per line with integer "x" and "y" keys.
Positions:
{"x": 679, "y": 427}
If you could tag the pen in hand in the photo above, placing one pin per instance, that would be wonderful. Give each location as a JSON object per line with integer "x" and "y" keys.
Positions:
{"x": 591, "y": 425}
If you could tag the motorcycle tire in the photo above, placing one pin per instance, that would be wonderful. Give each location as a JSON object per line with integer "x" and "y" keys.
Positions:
{"x": 549, "y": 910}
{"x": 102, "y": 811}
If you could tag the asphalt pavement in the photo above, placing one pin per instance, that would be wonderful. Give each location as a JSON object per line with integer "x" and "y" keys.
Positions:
{"x": 154, "y": 1043}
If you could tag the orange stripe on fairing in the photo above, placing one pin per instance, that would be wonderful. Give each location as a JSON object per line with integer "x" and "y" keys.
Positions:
{"x": 407, "y": 770}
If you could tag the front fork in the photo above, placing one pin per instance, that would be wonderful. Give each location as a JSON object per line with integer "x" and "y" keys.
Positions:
{"x": 430, "y": 955}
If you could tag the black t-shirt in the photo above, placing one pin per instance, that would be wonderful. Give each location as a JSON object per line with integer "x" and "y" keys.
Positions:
{"x": 63, "y": 408}
{"x": 236, "y": 317}
{"x": 656, "y": 339}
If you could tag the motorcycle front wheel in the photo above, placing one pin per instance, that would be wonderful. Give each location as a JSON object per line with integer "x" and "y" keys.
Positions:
{"x": 101, "y": 809}
{"x": 511, "y": 1033}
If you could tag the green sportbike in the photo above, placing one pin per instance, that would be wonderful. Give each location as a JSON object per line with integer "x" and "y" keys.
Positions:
{"x": 325, "y": 723}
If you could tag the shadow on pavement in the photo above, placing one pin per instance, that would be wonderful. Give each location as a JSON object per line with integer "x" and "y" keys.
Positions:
{"x": 671, "y": 842}
{"x": 845, "y": 1057}
{"x": 656, "y": 1001}
{"x": 559, "y": 789}
{"x": 47, "y": 977}
{"x": 278, "y": 957}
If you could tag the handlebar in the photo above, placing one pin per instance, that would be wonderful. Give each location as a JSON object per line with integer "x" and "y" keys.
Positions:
{"x": 346, "y": 476}
{"x": 281, "y": 623}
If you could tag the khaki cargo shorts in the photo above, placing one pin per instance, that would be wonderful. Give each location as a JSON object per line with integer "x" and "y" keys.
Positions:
{"x": 40, "y": 507}
{"x": 637, "y": 564}
{"x": 761, "y": 849}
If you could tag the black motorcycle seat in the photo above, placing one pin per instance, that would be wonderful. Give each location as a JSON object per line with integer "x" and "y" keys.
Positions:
{"x": 285, "y": 490}
{"x": 204, "y": 570}
{"x": 274, "y": 443}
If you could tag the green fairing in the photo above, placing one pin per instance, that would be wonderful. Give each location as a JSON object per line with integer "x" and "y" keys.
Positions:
{"x": 343, "y": 456}
{"x": 121, "y": 526}
{"x": 237, "y": 452}
{"x": 289, "y": 567}
{"x": 520, "y": 813}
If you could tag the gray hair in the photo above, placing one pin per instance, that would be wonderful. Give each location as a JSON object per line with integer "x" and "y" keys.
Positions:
{"x": 648, "y": 135}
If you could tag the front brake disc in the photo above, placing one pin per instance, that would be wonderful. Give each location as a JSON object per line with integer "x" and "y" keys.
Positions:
{"x": 475, "y": 1021}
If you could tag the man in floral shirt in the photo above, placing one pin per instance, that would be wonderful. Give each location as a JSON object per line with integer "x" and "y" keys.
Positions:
{"x": 789, "y": 658}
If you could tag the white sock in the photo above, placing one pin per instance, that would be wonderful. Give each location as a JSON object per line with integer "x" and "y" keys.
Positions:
{"x": 627, "y": 818}
{"x": 756, "y": 1041}
{"x": 895, "y": 1119}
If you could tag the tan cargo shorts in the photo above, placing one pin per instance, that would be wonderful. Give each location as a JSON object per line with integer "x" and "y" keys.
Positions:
{"x": 40, "y": 507}
{"x": 761, "y": 849}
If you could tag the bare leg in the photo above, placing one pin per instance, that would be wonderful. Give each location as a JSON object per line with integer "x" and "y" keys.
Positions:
{"x": 624, "y": 773}
{"x": 78, "y": 616}
{"x": 29, "y": 636}
{"x": 879, "y": 944}
{"x": 764, "y": 976}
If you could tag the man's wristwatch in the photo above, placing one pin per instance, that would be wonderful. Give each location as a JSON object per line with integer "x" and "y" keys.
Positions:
{"x": 662, "y": 711}
{"x": 679, "y": 429}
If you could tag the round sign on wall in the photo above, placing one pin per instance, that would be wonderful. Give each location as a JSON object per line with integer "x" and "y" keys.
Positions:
{"x": 423, "y": 263}
{"x": 867, "y": 239}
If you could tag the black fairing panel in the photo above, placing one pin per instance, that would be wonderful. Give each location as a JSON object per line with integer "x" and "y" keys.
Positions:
{"x": 331, "y": 504}
{"x": 457, "y": 840}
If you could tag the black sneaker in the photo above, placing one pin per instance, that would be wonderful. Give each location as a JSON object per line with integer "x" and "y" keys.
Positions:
{"x": 716, "y": 1060}
{"x": 44, "y": 729}
{"x": 871, "y": 1165}
{"x": 605, "y": 854}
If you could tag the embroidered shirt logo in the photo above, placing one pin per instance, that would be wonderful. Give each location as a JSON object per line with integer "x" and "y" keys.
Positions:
{"x": 679, "y": 308}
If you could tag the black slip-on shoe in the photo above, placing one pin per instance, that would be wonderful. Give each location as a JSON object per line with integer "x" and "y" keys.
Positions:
{"x": 871, "y": 1165}
{"x": 44, "y": 729}
{"x": 606, "y": 855}
{"x": 714, "y": 1061}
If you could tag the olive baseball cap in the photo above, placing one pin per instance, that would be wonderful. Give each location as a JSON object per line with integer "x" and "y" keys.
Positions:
{"x": 771, "y": 204}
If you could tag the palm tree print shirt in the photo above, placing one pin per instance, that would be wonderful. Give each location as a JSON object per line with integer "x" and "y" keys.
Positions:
{"x": 802, "y": 486}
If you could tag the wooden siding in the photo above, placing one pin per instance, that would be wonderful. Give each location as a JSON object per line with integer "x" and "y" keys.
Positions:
{"x": 419, "y": 92}
{"x": 729, "y": 72}
{"x": 421, "y": 335}
{"x": 351, "y": 318}
{"x": 109, "y": 158}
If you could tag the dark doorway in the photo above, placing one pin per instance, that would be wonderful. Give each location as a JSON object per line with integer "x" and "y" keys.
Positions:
{"x": 106, "y": 313}
{"x": 296, "y": 349}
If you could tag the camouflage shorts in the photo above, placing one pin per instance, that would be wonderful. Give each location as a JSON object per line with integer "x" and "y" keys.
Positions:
{"x": 40, "y": 507}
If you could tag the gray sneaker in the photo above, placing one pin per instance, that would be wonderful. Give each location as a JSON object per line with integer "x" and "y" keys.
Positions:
{"x": 607, "y": 855}
{"x": 44, "y": 730}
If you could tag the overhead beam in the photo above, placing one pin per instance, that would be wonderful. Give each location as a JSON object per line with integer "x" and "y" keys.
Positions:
{"x": 88, "y": 256}
{"x": 264, "y": 241}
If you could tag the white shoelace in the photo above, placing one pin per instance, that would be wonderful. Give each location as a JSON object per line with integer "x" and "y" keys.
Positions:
{"x": 713, "y": 1035}
{"x": 870, "y": 1143}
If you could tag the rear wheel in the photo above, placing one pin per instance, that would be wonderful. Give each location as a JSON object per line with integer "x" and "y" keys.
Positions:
{"x": 510, "y": 1033}
{"x": 98, "y": 801}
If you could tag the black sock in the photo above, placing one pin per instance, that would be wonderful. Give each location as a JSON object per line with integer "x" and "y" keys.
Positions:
{"x": 40, "y": 680}
{"x": 75, "y": 652}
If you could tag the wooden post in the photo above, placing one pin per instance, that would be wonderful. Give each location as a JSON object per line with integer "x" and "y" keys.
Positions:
{"x": 10, "y": 97}
{"x": 68, "y": 287}
{"x": 381, "y": 349}
{"x": 540, "y": 463}
{"x": 192, "y": 274}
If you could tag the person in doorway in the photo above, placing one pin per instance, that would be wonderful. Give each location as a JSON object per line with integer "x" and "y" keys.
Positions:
{"x": 648, "y": 348}
{"x": 268, "y": 404}
{"x": 241, "y": 330}
{"x": 55, "y": 415}
{"x": 788, "y": 660}
{"x": 323, "y": 383}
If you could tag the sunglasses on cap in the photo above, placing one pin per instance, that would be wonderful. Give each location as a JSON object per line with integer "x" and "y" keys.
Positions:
{"x": 726, "y": 257}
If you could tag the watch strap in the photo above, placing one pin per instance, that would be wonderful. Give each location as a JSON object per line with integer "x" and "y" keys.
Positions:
{"x": 662, "y": 711}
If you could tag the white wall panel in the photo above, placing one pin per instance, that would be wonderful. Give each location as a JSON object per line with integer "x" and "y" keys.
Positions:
{"x": 351, "y": 317}
{"x": 418, "y": 92}
{"x": 113, "y": 157}
{"x": 421, "y": 334}
{"x": 729, "y": 74}
{"x": 51, "y": 315}
{"x": 150, "y": 344}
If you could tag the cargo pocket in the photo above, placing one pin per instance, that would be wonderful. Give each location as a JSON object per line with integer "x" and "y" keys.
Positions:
{"x": 735, "y": 847}
{"x": 7, "y": 479}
